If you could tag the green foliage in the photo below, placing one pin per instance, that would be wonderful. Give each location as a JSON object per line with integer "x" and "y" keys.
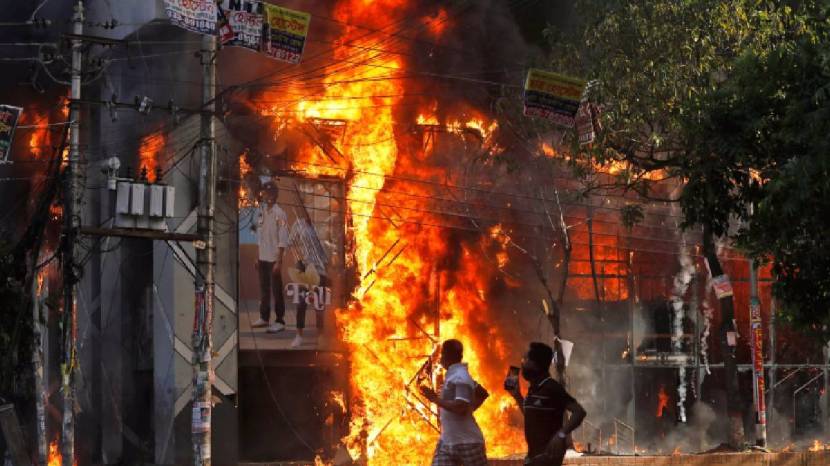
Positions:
{"x": 656, "y": 61}
{"x": 731, "y": 99}
{"x": 772, "y": 117}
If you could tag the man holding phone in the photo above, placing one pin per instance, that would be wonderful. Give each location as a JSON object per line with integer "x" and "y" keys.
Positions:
{"x": 546, "y": 430}
{"x": 461, "y": 441}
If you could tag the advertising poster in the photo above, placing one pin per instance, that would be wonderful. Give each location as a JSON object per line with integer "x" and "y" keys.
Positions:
{"x": 8, "y": 122}
{"x": 552, "y": 96}
{"x": 9, "y": 117}
{"x": 285, "y": 33}
{"x": 722, "y": 286}
{"x": 291, "y": 266}
{"x": 245, "y": 20}
{"x": 194, "y": 15}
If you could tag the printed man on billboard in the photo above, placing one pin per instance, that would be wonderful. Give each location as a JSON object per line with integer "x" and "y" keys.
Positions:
{"x": 271, "y": 226}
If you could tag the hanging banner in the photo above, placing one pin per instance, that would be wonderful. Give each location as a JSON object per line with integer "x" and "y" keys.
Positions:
{"x": 585, "y": 123}
{"x": 553, "y": 96}
{"x": 722, "y": 286}
{"x": 8, "y": 122}
{"x": 285, "y": 32}
{"x": 194, "y": 15}
{"x": 758, "y": 362}
{"x": 244, "y": 20}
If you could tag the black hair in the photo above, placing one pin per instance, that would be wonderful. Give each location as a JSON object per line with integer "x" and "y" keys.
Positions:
{"x": 454, "y": 349}
{"x": 541, "y": 354}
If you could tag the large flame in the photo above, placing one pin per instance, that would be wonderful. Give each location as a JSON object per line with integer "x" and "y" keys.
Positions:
{"x": 390, "y": 327}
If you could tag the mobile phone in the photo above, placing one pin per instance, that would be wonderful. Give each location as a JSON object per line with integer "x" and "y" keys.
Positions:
{"x": 511, "y": 382}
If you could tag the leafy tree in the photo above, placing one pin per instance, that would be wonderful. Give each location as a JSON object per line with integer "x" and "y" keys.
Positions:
{"x": 770, "y": 119}
{"x": 657, "y": 62}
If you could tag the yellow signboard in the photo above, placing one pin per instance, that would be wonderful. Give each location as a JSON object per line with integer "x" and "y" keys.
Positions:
{"x": 286, "y": 32}
{"x": 553, "y": 96}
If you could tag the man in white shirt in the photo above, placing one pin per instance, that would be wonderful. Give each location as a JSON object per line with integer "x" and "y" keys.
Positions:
{"x": 271, "y": 226}
{"x": 461, "y": 441}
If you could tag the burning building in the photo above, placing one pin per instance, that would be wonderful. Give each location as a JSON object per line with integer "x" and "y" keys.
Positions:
{"x": 422, "y": 210}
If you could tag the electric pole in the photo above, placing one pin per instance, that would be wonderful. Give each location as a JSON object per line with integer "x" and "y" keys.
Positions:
{"x": 205, "y": 264}
{"x": 71, "y": 224}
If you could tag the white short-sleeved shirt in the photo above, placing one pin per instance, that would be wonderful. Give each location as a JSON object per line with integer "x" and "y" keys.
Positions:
{"x": 458, "y": 429}
{"x": 272, "y": 231}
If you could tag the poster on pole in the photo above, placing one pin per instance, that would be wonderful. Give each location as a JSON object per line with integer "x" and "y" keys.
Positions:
{"x": 194, "y": 15}
{"x": 552, "y": 96}
{"x": 285, "y": 33}
{"x": 244, "y": 20}
{"x": 722, "y": 286}
{"x": 9, "y": 117}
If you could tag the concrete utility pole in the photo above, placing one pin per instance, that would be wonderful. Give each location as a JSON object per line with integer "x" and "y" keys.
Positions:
{"x": 205, "y": 264}
{"x": 71, "y": 223}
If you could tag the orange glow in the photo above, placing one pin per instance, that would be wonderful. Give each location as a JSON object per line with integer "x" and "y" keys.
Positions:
{"x": 245, "y": 197}
{"x": 677, "y": 452}
{"x": 662, "y": 401}
{"x": 548, "y": 150}
{"x": 818, "y": 446}
{"x": 54, "y": 458}
{"x": 436, "y": 25}
{"x": 148, "y": 154}
{"x": 39, "y": 139}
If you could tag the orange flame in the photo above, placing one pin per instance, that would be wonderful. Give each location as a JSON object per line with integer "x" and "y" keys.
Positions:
{"x": 245, "y": 197}
{"x": 39, "y": 139}
{"x": 436, "y": 25}
{"x": 54, "y": 458}
{"x": 148, "y": 154}
{"x": 818, "y": 446}
{"x": 662, "y": 401}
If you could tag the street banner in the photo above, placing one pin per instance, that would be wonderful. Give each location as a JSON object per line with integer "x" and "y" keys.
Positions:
{"x": 244, "y": 19}
{"x": 758, "y": 361}
{"x": 722, "y": 286}
{"x": 194, "y": 15}
{"x": 8, "y": 122}
{"x": 285, "y": 33}
{"x": 585, "y": 123}
{"x": 552, "y": 96}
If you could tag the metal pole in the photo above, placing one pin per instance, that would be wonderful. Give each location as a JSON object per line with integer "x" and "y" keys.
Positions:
{"x": 757, "y": 357}
{"x": 71, "y": 216}
{"x": 205, "y": 264}
{"x": 39, "y": 291}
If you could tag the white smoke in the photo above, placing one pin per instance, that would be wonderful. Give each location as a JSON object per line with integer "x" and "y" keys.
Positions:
{"x": 707, "y": 327}
{"x": 681, "y": 285}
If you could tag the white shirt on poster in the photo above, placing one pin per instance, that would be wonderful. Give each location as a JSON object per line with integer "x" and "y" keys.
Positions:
{"x": 272, "y": 231}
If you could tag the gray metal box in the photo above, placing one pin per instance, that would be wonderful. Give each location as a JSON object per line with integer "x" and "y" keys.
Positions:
{"x": 156, "y": 200}
{"x": 169, "y": 201}
{"x": 137, "y": 199}
{"x": 122, "y": 198}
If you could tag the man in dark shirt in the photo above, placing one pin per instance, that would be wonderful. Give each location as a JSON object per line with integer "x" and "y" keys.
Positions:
{"x": 544, "y": 407}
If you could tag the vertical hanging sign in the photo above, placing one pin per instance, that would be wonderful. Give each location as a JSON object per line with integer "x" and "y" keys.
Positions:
{"x": 8, "y": 122}
{"x": 244, "y": 19}
{"x": 758, "y": 361}
{"x": 552, "y": 96}
{"x": 194, "y": 15}
{"x": 285, "y": 32}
